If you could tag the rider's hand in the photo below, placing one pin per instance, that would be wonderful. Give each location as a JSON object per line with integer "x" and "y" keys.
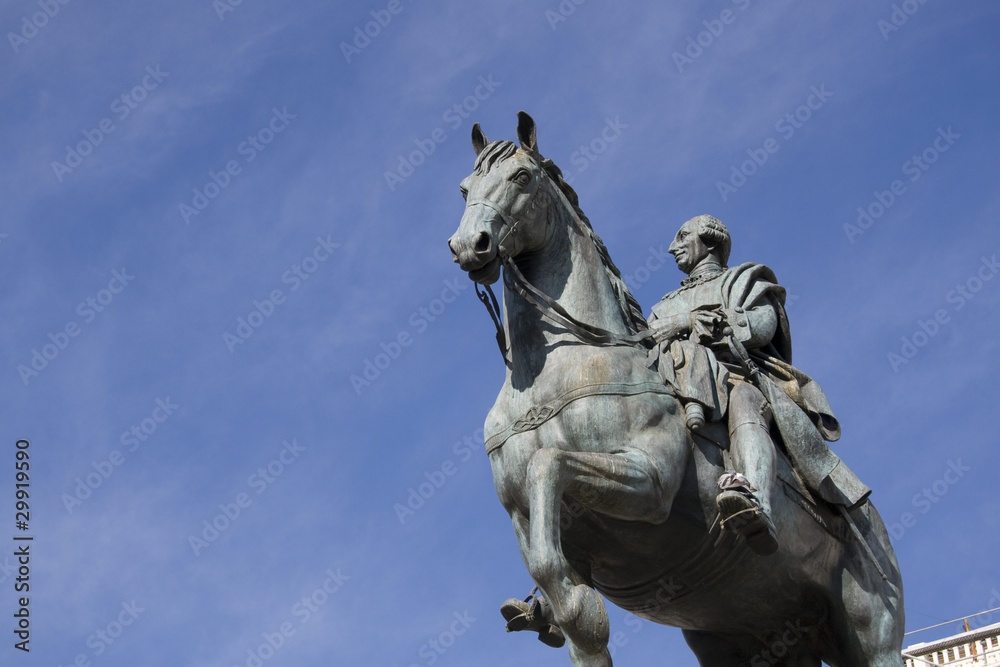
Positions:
{"x": 707, "y": 325}
{"x": 671, "y": 328}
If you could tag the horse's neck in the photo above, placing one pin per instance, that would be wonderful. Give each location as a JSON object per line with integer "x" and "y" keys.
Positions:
{"x": 568, "y": 270}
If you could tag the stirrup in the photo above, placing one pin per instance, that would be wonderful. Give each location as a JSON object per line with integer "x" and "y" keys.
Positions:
{"x": 740, "y": 512}
{"x": 527, "y": 615}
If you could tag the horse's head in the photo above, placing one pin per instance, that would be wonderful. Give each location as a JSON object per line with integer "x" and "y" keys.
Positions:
{"x": 507, "y": 203}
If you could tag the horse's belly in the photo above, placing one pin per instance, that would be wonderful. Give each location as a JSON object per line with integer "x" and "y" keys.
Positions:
{"x": 755, "y": 600}
{"x": 707, "y": 584}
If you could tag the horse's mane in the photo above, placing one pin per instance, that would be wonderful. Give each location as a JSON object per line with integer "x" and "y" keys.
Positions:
{"x": 631, "y": 311}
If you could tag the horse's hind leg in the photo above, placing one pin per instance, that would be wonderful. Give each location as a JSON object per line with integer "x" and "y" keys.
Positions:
{"x": 867, "y": 620}
{"x": 624, "y": 486}
{"x": 868, "y": 632}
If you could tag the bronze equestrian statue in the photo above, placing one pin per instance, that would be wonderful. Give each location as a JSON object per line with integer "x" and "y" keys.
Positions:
{"x": 610, "y": 443}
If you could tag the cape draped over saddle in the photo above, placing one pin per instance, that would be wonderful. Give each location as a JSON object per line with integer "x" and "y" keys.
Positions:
{"x": 801, "y": 410}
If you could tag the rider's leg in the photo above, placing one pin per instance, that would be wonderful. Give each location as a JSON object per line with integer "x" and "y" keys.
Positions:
{"x": 750, "y": 441}
{"x": 742, "y": 509}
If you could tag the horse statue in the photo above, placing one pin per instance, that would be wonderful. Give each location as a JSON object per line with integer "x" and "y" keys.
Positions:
{"x": 610, "y": 494}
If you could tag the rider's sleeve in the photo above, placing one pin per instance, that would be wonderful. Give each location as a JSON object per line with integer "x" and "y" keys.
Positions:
{"x": 754, "y": 327}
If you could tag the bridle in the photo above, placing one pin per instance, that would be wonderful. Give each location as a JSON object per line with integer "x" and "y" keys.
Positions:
{"x": 588, "y": 334}
{"x": 546, "y": 306}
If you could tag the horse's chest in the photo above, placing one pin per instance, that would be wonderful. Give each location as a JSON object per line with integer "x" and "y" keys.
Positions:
{"x": 533, "y": 407}
{"x": 524, "y": 421}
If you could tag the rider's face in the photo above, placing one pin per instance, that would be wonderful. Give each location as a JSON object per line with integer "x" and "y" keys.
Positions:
{"x": 688, "y": 248}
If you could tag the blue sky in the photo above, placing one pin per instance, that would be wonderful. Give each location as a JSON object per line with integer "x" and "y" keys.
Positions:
{"x": 245, "y": 171}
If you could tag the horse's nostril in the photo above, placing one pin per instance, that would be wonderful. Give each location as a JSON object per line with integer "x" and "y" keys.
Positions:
{"x": 454, "y": 255}
{"x": 483, "y": 243}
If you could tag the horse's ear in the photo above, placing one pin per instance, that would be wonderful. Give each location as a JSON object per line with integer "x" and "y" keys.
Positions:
{"x": 479, "y": 140}
{"x": 526, "y": 132}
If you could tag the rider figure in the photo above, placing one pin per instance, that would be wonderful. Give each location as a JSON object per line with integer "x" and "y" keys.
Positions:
{"x": 712, "y": 334}
{"x": 691, "y": 326}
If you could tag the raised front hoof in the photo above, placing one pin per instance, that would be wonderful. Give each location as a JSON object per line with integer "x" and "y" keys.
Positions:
{"x": 741, "y": 513}
{"x": 522, "y": 615}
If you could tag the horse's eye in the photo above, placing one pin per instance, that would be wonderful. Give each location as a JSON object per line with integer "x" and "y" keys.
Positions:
{"x": 522, "y": 177}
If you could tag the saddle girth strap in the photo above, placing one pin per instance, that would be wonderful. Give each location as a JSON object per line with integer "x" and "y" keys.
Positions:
{"x": 537, "y": 416}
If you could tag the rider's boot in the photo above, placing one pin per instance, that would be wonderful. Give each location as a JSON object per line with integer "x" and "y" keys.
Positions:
{"x": 743, "y": 508}
{"x": 535, "y": 614}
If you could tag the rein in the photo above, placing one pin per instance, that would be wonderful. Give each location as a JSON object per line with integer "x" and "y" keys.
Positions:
{"x": 547, "y": 306}
{"x": 551, "y": 310}
{"x": 494, "y": 310}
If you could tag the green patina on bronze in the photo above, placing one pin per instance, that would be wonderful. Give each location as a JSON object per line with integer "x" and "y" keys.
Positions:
{"x": 615, "y": 491}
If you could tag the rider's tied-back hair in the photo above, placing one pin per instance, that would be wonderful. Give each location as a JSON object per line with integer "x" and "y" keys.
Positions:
{"x": 714, "y": 233}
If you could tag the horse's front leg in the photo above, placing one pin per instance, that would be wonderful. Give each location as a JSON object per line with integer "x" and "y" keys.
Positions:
{"x": 627, "y": 485}
{"x": 577, "y": 608}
